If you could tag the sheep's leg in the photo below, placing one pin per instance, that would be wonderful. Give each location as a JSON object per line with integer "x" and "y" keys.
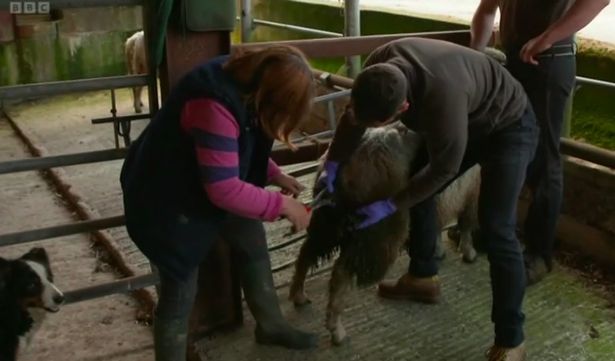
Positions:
{"x": 339, "y": 285}
{"x": 466, "y": 243}
{"x": 297, "y": 287}
{"x": 136, "y": 96}
{"x": 440, "y": 250}
{"x": 466, "y": 246}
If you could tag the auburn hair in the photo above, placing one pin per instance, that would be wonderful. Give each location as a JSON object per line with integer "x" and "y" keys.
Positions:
{"x": 279, "y": 83}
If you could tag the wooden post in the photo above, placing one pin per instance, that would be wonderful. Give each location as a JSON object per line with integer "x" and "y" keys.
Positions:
{"x": 218, "y": 301}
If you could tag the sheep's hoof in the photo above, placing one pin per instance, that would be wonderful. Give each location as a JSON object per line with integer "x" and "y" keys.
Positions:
{"x": 469, "y": 256}
{"x": 300, "y": 299}
{"x": 138, "y": 110}
{"x": 440, "y": 253}
{"x": 339, "y": 337}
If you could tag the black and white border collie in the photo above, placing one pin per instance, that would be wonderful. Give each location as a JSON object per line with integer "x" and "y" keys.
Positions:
{"x": 27, "y": 292}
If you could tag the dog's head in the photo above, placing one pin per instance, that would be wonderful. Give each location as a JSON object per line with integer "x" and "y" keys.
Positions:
{"x": 29, "y": 281}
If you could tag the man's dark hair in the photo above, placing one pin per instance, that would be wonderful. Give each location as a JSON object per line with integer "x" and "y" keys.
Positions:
{"x": 378, "y": 92}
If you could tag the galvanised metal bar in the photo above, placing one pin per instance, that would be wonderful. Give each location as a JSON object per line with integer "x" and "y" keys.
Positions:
{"x": 332, "y": 79}
{"x": 246, "y": 20}
{"x": 312, "y": 136}
{"x": 91, "y": 225}
{"x": 106, "y": 289}
{"x": 332, "y": 96}
{"x": 358, "y": 45}
{"x": 288, "y": 243}
{"x": 40, "y": 163}
{"x": 571, "y": 147}
{"x": 304, "y": 170}
{"x": 282, "y": 266}
{"x": 71, "y": 86}
{"x": 590, "y": 81}
{"x": 61, "y": 230}
{"x": 68, "y": 4}
{"x": 297, "y": 28}
{"x": 352, "y": 27}
{"x": 331, "y": 116}
{"x": 588, "y": 152}
{"x": 123, "y": 118}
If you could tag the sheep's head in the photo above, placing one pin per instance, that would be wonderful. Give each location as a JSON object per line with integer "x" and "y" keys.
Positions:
{"x": 380, "y": 167}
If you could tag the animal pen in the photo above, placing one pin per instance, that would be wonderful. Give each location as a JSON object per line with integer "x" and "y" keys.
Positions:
{"x": 380, "y": 329}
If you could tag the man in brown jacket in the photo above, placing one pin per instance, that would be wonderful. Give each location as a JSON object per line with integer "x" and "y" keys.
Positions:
{"x": 469, "y": 110}
{"x": 538, "y": 38}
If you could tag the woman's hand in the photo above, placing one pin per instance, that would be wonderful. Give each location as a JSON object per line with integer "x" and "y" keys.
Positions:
{"x": 289, "y": 185}
{"x": 296, "y": 213}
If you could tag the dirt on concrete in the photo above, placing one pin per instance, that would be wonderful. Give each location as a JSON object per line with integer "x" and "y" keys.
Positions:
{"x": 101, "y": 329}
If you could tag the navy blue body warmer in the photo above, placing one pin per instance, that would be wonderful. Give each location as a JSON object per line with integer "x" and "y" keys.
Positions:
{"x": 168, "y": 213}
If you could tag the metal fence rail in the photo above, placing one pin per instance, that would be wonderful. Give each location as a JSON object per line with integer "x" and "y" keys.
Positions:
{"x": 298, "y": 28}
{"x": 92, "y": 225}
{"x": 71, "y": 86}
{"x": 581, "y": 80}
{"x": 570, "y": 147}
{"x": 358, "y": 45}
{"x": 32, "y": 235}
{"x": 110, "y": 288}
{"x": 41, "y": 163}
{"x": 588, "y": 152}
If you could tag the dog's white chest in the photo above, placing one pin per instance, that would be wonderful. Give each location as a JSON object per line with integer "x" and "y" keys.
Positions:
{"x": 38, "y": 315}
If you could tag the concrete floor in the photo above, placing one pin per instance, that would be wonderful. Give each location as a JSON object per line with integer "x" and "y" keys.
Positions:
{"x": 565, "y": 320}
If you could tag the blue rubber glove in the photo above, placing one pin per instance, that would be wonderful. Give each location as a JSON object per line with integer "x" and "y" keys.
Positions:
{"x": 375, "y": 212}
{"x": 327, "y": 177}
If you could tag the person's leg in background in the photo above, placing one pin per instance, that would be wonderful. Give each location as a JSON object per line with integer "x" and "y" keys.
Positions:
{"x": 548, "y": 86}
{"x": 175, "y": 302}
{"x": 248, "y": 239}
{"x": 503, "y": 173}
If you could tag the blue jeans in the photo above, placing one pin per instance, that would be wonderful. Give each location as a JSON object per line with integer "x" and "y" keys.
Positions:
{"x": 548, "y": 86}
{"x": 504, "y": 156}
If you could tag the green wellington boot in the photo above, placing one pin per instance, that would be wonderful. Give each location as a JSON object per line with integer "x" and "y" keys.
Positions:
{"x": 272, "y": 328}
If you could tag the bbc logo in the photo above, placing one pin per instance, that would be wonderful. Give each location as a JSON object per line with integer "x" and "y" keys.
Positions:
{"x": 29, "y": 7}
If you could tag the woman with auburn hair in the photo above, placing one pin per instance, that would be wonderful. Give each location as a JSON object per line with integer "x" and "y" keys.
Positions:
{"x": 197, "y": 172}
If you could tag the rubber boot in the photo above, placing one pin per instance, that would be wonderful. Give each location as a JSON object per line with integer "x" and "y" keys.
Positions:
{"x": 170, "y": 339}
{"x": 271, "y": 326}
{"x": 171, "y": 318}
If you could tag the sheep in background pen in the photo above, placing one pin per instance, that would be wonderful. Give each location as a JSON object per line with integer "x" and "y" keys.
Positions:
{"x": 136, "y": 61}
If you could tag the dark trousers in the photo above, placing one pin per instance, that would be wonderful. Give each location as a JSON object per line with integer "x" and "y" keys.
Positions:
{"x": 504, "y": 157}
{"x": 548, "y": 86}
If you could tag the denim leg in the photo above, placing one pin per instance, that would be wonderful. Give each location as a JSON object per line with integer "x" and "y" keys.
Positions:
{"x": 548, "y": 87}
{"x": 424, "y": 225}
{"x": 423, "y": 237}
{"x": 503, "y": 172}
{"x": 246, "y": 237}
{"x": 171, "y": 316}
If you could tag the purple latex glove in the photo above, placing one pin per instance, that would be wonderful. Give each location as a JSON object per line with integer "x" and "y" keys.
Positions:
{"x": 375, "y": 212}
{"x": 327, "y": 177}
